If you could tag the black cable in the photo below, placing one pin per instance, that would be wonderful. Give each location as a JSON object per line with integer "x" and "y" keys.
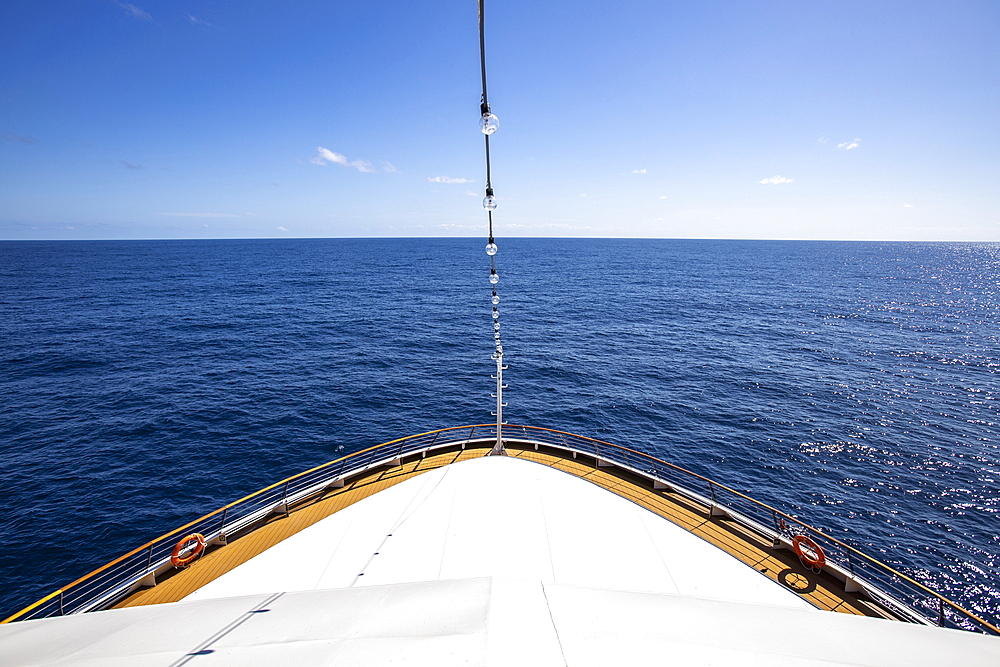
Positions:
{"x": 482, "y": 56}
{"x": 484, "y": 107}
{"x": 489, "y": 184}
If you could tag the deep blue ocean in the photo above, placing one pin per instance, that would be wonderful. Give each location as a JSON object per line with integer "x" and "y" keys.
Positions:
{"x": 145, "y": 383}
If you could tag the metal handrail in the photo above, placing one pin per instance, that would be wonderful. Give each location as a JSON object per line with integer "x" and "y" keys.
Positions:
{"x": 109, "y": 583}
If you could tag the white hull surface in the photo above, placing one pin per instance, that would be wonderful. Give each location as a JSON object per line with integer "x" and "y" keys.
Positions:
{"x": 483, "y": 621}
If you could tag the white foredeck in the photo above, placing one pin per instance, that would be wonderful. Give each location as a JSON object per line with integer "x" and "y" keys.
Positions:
{"x": 500, "y": 517}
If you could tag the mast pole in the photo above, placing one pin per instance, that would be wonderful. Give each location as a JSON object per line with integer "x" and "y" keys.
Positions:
{"x": 498, "y": 448}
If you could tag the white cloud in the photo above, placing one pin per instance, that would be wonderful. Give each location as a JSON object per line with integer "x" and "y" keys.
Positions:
{"x": 907, "y": 205}
{"x": 389, "y": 168}
{"x": 202, "y": 215}
{"x": 775, "y": 180}
{"x": 447, "y": 179}
{"x": 195, "y": 19}
{"x": 362, "y": 166}
{"x": 663, "y": 197}
{"x": 471, "y": 193}
{"x": 848, "y": 145}
{"x": 282, "y": 229}
{"x": 822, "y": 140}
{"x": 326, "y": 156}
{"x": 134, "y": 12}
{"x": 638, "y": 171}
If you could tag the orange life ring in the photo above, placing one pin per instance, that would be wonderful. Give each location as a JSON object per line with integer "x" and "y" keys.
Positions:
{"x": 810, "y": 553}
{"x": 185, "y": 545}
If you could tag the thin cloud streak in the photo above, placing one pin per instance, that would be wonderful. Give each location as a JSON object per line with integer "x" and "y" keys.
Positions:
{"x": 447, "y": 179}
{"x": 326, "y": 156}
{"x": 134, "y": 12}
{"x": 848, "y": 145}
{"x": 775, "y": 180}
{"x": 202, "y": 215}
{"x": 10, "y": 136}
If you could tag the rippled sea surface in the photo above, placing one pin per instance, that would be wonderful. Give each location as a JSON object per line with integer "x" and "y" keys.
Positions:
{"x": 856, "y": 385}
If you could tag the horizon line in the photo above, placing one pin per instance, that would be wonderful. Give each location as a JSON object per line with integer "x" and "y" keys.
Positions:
{"x": 603, "y": 238}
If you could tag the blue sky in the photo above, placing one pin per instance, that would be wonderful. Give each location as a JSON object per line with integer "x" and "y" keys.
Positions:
{"x": 811, "y": 120}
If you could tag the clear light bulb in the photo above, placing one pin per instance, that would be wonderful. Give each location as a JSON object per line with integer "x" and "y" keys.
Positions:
{"x": 496, "y": 336}
{"x": 496, "y": 299}
{"x": 500, "y": 350}
{"x": 489, "y": 123}
{"x": 496, "y": 314}
{"x": 490, "y": 203}
{"x": 494, "y": 278}
{"x": 496, "y": 326}
{"x": 491, "y": 249}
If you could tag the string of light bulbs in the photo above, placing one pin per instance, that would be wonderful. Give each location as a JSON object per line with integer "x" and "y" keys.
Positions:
{"x": 489, "y": 124}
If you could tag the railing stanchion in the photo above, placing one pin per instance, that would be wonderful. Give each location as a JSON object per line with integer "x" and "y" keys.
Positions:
{"x": 222, "y": 526}
{"x": 711, "y": 489}
{"x": 284, "y": 498}
{"x": 940, "y": 612}
{"x": 61, "y": 612}
{"x": 149, "y": 558}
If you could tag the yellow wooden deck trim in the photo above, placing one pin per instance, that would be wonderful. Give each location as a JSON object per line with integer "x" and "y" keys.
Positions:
{"x": 823, "y": 591}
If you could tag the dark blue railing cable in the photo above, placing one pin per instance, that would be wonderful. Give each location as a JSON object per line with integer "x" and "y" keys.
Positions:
{"x": 489, "y": 124}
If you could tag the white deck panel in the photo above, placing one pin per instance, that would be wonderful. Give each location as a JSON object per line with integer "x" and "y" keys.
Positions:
{"x": 500, "y": 517}
{"x": 488, "y": 622}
